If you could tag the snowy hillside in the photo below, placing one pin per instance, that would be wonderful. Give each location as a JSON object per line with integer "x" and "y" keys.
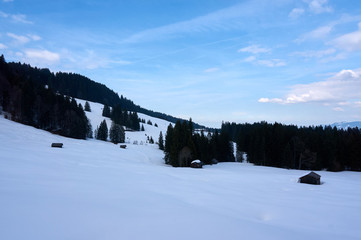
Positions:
{"x": 92, "y": 189}
{"x": 95, "y": 117}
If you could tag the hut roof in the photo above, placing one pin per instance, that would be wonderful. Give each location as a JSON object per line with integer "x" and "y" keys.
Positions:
{"x": 313, "y": 175}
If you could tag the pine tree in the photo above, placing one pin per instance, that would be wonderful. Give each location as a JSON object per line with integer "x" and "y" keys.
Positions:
{"x": 116, "y": 133}
{"x": 142, "y": 128}
{"x": 102, "y": 131}
{"x": 134, "y": 119}
{"x": 168, "y": 143}
{"x": 106, "y": 111}
{"x": 89, "y": 130}
{"x": 161, "y": 141}
{"x": 87, "y": 107}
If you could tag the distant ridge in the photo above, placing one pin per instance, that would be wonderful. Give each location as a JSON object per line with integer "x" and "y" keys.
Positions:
{"x": 346, "y": 125}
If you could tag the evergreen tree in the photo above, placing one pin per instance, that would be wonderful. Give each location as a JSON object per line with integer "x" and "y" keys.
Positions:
{"x": 168, "y": 143}
{"x": 116, "y": 133}
{"x": 102, "y": 131}
{"x": 89, "y": 130}
{"x": 134, "y": 119}
{"x": 161, "y": 141}
{"x": 106, "y": 111}
{"x": 142, "y": 128}
{"x": 87, "y": 107}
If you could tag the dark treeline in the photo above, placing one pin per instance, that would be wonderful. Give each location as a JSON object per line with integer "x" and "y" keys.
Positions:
{"x": 205, "y": 148}
{"x": 295, "y": 147}
{"x": 78, "y": 86}
{"x": 31, "y": 103}
{"x": 124, "y": 118}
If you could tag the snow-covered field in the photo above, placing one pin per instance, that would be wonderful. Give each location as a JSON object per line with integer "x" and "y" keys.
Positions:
{"x": 95, "y": 190}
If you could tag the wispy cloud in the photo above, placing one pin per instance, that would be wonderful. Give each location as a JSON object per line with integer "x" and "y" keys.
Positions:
{"x": 8, "y": 0}
{"x": 350, "y": 42}
{"x": 296, "y": 13}
{"x": 21, "y": 39}
{"x": 344, "y": 86}
{"x": 318, "y": 33}
{"x": 255, "y": 49}
{"x": 17, "y": 18}
{"x": 89, "y": 59}
{"x": 272, "y": 62}
{"x": 18, "y": 38}
{"x": 222, "y": 20}
{"x": 315, "y": 54}
{"x": 318, "y": 6}
{"x": 3, "y": 46}
{"x": 210, "y": 70}
{"x": 20, "y": 18}
{"x": 42, "y": 55}
{"x": 338, "y": 109}
{"x": 34, "y": 37}
{"x": 266, "y": 62}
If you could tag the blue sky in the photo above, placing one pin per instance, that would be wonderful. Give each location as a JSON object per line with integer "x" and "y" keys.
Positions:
{"x": 288, "y": 61}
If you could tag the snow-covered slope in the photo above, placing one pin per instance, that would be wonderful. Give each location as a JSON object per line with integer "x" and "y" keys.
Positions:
{"x": 95, "y": 117}
{"x": 92, "y": 189}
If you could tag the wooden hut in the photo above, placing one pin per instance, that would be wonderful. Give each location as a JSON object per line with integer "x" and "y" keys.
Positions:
{"x": 57, "y": 145}
{"x": 196, "y": 164}
{"x": 311, "y": 178}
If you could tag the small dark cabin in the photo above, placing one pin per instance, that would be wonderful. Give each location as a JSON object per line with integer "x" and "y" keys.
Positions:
{"x": 196, "y": 164}
{"x": 311, "y": 178}
{"x": 57, "y": 145}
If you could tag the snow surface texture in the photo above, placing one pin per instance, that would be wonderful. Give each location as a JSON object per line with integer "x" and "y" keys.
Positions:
{"x": 91, "y": 189}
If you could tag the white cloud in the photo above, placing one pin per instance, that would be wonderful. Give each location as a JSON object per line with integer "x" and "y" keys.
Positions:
{"x": 18, "y": 18}
{"x": 272, "y": 62}
{"x": 255, "y": 49}
{"x": 350, "y": 41}
{"x": 266, "y": 62}
{"x": 3, "y": 46}
{"x": 318, "y": 6}
{"x": 336, "y": 57}
{"x": 267, "y": 100}
{"x": 250, "y": 59}
{"x": 338, "y": 109}
{"x": 3, "y": 15}
{"x": 296, "y": 13}
{"x": 42, "y": 55}
{"x": 210, "y": 70}
{"x": 315, "y": 54}
{"x": 225, "y": 19}
{"x": 318, "y": 33}
{"x": 34, "y": 37}
{"x": 18, "y": 38}
{"x": 344, "y": 86}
